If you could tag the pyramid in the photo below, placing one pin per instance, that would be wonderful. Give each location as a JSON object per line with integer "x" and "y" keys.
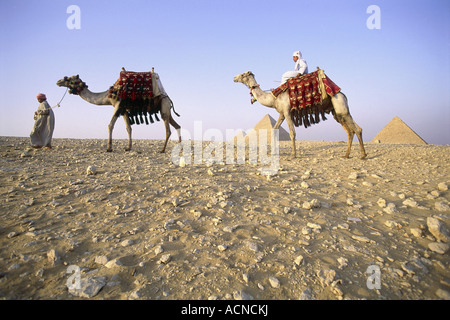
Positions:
{"x": 398, "y": 132}
{"x": 267, "y": 122}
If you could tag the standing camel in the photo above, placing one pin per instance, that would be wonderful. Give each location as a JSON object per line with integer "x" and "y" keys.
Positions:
{"x": 78, "y": 87}
{"x": 336, "y": 104}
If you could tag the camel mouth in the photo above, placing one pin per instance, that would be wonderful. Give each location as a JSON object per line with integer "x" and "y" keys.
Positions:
{"x": 240, "y": 77}
{"x": 60, "y": 82}
{"x": 237, "y": 78}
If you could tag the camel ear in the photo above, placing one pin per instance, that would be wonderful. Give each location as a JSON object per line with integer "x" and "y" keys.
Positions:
{"x": 77, "y": 76}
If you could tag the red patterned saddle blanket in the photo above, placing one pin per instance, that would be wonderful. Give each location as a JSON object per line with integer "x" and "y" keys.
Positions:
{"x": 307, "y": 90}
{"x": 132, "y": 86}
{"x": 306, "y": 96}
{"x": 135, "y": 92}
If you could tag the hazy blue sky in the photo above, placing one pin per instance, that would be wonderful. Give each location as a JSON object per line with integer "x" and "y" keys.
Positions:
{"x": 197, "y": 47}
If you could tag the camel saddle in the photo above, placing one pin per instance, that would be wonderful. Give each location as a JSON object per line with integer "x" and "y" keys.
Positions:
{"x": 139, "y": 96}
{"x": 307, "y": 94}
{"x": 133, "y": 86}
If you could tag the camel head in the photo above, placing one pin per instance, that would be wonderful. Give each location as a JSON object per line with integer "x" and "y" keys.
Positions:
{"x": 74, "y": 84}
{"x": 246, "y": 78}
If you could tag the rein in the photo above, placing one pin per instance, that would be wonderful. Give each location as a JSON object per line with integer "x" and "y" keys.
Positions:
{"x": 58, "y": 104}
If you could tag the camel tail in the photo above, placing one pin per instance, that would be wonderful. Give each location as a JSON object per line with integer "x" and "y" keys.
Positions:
{"x": 173, "y": 107}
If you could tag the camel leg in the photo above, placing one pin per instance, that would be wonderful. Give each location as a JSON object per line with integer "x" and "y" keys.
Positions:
{"x": 110, "y": 131}
{"x": 176, "y": 126}
{"x": 129, "y": 130}
{"x": 279, "y": 121}
{"x": 342, "y": 116}
{"x": 358, "y": 131}
{"x": 352, "y": 128}
{"x": 168, "y": 120}
{"x": 167, "y": 123}
{"x": 350, "y": 135}
{"x": 291, "y": 133}
{"x": 342, "y": 120}
{"x": 168, "y": 133}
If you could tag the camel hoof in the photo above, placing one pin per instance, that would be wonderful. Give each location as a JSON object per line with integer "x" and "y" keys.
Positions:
{"x": 363, "y": 157}
{"x": 162, "y": 151}
{"x": 127, "y": 149}
{"x": 108, "y": 150}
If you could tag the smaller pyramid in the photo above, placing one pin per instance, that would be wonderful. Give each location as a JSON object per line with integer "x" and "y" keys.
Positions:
{"x": 266, "y": 123}
{"x": 398, "y": 132}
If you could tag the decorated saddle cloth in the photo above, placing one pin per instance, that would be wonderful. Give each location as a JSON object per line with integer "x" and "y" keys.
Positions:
{"x": 138, "y": 93}
{"x": 132, "y": 86}
{"x": 306, "y": 96}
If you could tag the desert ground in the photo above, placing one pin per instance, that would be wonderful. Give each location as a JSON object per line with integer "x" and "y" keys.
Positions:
{"x": 77, "y": 222}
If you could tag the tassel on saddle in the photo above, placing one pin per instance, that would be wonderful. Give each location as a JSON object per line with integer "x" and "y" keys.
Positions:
{"x": 309, "y": 116}
{"x": 137, "y": 112}
{"x": 135, "y": 92}
{"x": 306, "y": 122}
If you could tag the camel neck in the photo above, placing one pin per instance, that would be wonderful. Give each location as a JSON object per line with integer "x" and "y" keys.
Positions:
{"x": 98, "y": 98}
{"x": 264, "y": 98}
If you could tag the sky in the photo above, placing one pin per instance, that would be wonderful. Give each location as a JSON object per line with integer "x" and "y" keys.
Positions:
{"x": 399, "y": 68}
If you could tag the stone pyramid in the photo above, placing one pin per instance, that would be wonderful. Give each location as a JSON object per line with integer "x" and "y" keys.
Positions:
{"x": 267, "y": 123}
{"x": 398, "y": 132}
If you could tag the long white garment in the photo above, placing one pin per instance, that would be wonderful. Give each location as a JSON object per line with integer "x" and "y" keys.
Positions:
{"x": 42, "y": 132}
{"x": 300, "y": 67}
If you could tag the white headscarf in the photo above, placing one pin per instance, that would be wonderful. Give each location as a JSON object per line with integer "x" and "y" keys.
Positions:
{"x": 297, "y": 54}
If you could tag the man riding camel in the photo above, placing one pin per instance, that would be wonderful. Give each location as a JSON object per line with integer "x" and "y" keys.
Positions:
{"x": 300, "y": 67}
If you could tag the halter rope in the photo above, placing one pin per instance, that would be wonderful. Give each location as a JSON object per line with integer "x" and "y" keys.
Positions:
{"x": 58, "y": 104}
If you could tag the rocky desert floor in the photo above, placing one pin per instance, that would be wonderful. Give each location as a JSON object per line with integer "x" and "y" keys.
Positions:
{"x": 77, "y": 222}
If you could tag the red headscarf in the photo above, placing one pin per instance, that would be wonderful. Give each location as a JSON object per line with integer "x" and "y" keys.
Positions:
{"x": 41, "y": 96}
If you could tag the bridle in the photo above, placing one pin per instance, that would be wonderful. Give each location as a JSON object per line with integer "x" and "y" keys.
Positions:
{"x": 75, "y": 85}
{"x": 251, "y": 94}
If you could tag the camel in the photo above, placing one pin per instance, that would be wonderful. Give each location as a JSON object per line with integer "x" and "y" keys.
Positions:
{"x": 336, "y": 104}
{"x": 78, "y": 87}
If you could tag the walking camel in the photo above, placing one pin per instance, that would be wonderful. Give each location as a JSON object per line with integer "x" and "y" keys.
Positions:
{"x": 336, "y": 104}
{"x": 161, "y": 102}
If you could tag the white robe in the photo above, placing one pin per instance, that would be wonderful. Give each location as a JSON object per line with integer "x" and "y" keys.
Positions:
{"x": 300, "y": 67}
{"x": 42, "y": 132}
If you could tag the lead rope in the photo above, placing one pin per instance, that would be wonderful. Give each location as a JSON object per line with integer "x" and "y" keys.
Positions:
{"x": 58, "y": 104}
